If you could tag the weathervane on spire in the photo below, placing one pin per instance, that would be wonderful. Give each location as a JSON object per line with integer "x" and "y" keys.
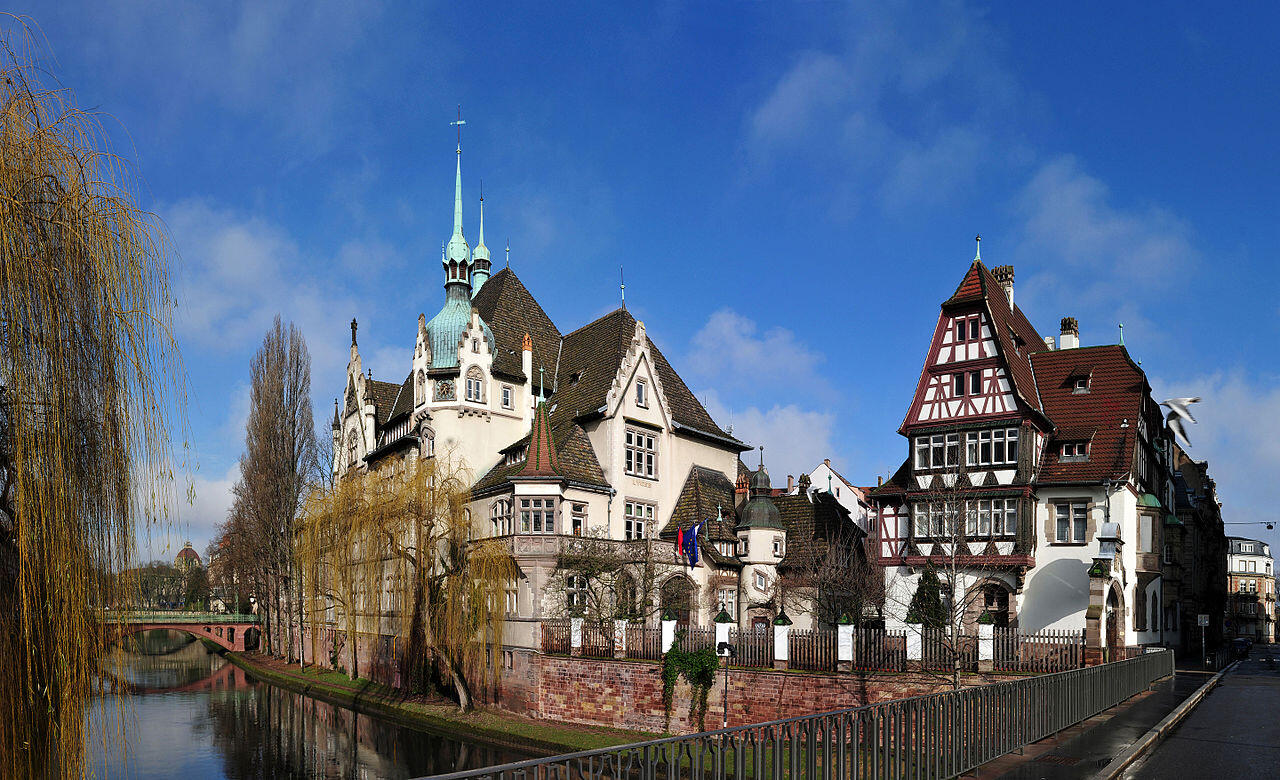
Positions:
{"x": 458, "y": 124}
{"x": 977, "y": 255}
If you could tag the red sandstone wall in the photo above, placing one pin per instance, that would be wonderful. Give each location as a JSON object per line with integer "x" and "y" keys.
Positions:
{"x": 628, "y": 694}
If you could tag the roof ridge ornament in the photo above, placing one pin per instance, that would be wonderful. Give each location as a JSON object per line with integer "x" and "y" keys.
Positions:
{"x": 977, "y": 255}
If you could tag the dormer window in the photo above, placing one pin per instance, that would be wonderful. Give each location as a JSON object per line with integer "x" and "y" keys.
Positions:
{"x": 1075, "y": 451}
{"x": 575, "y": 377}
{"x": 642, "y": 395}
{"x": 1080, "y": 384}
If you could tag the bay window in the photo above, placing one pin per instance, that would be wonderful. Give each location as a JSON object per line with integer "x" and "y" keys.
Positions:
{"x": 538, "y": 515}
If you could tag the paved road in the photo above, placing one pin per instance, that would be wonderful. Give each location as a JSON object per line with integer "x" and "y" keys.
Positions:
{"x": 1233, "y": 732}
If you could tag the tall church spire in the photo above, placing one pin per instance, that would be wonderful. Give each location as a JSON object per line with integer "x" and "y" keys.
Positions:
{"x": 481, "y": 264}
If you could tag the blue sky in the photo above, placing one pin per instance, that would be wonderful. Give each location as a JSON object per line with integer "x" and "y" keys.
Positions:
{"x": 792, "y": 190}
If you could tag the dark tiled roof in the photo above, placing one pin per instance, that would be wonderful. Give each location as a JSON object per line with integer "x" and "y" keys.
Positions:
{"x": 576, "y": 459}
{"x": 896, "y": 485}
{"x": 811, "y": 525}
{"x": 590, "y": 360}
{"x": 404, "y": 399}
{"x": 1116, "y": 390}
{"x": 384, "y": 397}
{"x": 705, "y": 491}
{"x": 511, "y": 311}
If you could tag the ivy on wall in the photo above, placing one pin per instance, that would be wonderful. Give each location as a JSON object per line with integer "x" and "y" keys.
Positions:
{"x": 699, "y": 668}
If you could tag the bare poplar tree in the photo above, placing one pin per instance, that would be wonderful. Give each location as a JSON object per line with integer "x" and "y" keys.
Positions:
{"x": 275, "y": 469}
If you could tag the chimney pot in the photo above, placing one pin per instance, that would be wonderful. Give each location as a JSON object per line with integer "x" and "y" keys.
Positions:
{"x": 827, "y": 462}
{"x": 879, "y": 481}
{"x": 1004, "y": 275}
{"x": 1070, "y": 333}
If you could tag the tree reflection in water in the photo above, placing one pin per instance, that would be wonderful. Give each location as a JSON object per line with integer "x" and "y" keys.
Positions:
{"x": 195, "y": 715}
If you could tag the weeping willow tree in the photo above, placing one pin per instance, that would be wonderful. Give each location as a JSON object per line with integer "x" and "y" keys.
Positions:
{"x": 88, "y": 373}
{"x": 396, "y": 550}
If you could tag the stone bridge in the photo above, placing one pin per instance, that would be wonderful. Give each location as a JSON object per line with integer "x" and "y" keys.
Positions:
{"x": 228, "y": 631}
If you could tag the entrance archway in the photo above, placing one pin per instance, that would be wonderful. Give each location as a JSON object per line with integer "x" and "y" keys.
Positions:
{"x": 677, "y": 597}
{"x": 1114, "y": 621}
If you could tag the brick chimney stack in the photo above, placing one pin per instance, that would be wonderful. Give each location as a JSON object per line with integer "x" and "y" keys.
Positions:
{"x": 1004, "y": 275}
{"x": 1070, "y": 333}
{"x": 791, "y": 483}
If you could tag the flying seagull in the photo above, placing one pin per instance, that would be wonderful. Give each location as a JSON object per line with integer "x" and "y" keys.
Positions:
{"x": 1179, "y": 410}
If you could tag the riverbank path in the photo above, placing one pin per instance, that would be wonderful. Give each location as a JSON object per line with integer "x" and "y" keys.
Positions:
{"x": 1233, "y": 732}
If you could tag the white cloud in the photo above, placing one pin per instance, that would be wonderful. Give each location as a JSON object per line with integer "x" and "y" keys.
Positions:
{"x": 730, "y": 351}
{"x": 238, "y": 272}
{"x": 795, "y": 439}
{"x": 1238, "y": 432}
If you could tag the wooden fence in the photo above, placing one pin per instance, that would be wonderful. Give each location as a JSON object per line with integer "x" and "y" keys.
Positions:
{"x": 1043, "y": 651}
{"x": 939, "y": 650}
{"x": 754, "y": 648}
{"x": 597, "y": 639}
{"x": 814, "y": 650}
{"x": 556, "y": 639}
{"x": 643, "y": 642}
{"x": 691, "y": 638}
{"x": 875, "y": 649}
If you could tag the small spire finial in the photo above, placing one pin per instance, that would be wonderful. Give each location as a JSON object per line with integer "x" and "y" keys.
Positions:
{"x": 458, "y": 124}
{"x": 353, "y": 331}
{"x": 1122, "y": 334}
{"x": 977, "y": 240}
{"x": 508, "y": 253}
{"x": 761, "y": 456}
{"x": 622, "y": 285}
{"x": 541, "y": 384}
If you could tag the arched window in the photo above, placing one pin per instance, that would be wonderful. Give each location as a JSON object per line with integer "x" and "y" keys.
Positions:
{"x": 351, "y": 449}
{"x": 475, "y": 385}
{"x": 500, "y": 523}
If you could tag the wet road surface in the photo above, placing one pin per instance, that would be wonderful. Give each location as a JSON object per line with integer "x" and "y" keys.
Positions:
{"x": 1233, "y": 732}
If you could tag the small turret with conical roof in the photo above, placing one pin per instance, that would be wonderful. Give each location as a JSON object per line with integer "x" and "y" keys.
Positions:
{"x": 480, "y": 257}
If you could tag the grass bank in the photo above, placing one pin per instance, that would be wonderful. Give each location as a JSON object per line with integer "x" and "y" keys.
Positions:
{"x": 483, "y": 725}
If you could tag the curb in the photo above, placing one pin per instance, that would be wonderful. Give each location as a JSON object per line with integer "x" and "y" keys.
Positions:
{"x": 1160, "y": 730}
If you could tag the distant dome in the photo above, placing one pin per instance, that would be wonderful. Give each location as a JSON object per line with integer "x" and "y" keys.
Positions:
{"x": 187, "y": 556}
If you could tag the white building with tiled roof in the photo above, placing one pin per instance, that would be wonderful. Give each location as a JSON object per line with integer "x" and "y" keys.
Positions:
{"x": 635, "y": 459}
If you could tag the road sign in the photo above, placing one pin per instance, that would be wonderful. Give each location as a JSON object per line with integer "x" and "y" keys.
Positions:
{"x": 1202, "y": 620}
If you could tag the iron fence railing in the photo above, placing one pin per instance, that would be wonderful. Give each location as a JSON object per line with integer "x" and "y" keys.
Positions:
{"x": 162, "y": 616}
{"x": 934, "y": 736}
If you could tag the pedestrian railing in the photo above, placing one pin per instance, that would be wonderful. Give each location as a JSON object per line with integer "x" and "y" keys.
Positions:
{"x": 162, "y": 616}
{"x": 935, "y": 736}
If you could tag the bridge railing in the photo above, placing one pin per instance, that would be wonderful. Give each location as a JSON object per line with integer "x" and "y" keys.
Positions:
{"x": 938, "y": 735}
{"x": 162, "y": 616}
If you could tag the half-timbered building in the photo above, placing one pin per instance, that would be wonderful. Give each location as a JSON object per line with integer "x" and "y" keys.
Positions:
{"x": 1020, "y": 452}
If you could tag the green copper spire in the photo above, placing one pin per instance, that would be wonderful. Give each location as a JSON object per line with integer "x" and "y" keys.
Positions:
{"x": 480, "y": 257}
{"x": 457, "y": 250}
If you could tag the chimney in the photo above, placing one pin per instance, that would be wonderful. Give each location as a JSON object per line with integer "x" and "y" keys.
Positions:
{"x": 791, "y": 483}
{"x": 1004, "y": 275}
{"x": 1070, "y": 333}
{"x": 879, "y": 480}
{"x": 827, "y": 462}
{"x": 1048, "y": 342}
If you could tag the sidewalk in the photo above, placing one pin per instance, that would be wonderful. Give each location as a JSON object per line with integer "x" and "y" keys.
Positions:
{"x": 1087, "y": 747}
{"x": 1234, "y": 732}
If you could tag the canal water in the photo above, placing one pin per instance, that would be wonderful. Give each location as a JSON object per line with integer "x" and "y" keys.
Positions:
{"x": 193, "y": 715}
